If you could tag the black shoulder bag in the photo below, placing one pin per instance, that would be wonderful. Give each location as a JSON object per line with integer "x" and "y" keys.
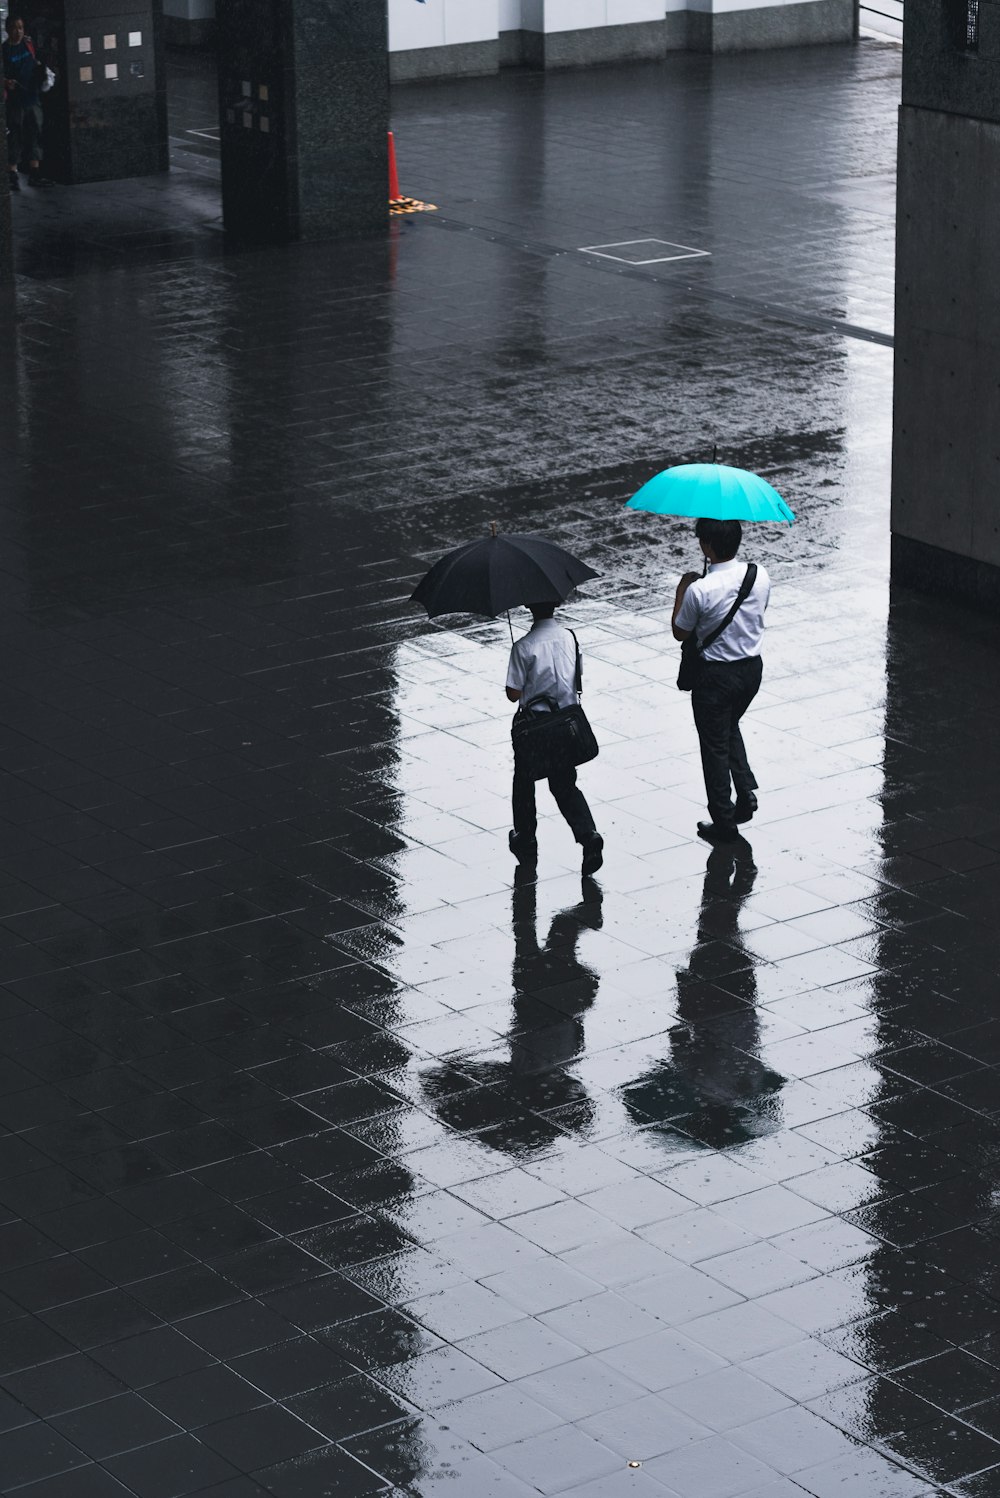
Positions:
{"x": 559, "y": 739}
{"x": 692, "y": 652}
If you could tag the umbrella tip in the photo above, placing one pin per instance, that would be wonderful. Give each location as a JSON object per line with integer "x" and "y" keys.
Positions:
{"x": 493, "y": 527}
{"x": 715, "y": 450}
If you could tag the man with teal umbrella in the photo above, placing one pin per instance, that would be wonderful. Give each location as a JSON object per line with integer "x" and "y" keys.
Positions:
{"x": 722, "y": 612}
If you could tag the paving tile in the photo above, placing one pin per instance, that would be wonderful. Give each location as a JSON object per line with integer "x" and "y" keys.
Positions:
{"x": 713, "y": 1468}
{"x": 681, "y": 1295}
{"x": 726, "y": 1398}
{"x": 439, "y": 1377}
{"x": 64, "y": 1384}
{"x": 662, "y": 1361}
{"x": 326, "y": 1471}
{"x": 806, "y": 1369}
{"x": 463, "y": 1311}
{"x": 82, "y": 1482}
{"x": 558, "y": 1460}
{"x": 170, "y": 1468}
{"x": 601, "y": 1321}
{"x": 114, "y": 1425}
{"x": 792, "y": 1439}
{"x": 260, "y": 1438}
{"x": 520, "y": 1348}
{"x": 742, "y": 1331}
{"x": 498, "y": 1417}
{"x": 36, "y": 1453}
{"x": 421, "y": 1455}
{"x": 550, "y": 1284}
{"x": 205, "y": 1397}
{"x": 151, "y": 1358}
{"x": 644, "y": 1428}
{"x": 866, "y": 1471}
{"x": 580, "y": 1388}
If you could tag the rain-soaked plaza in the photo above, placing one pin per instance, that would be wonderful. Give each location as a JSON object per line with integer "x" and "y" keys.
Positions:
{"x": 335, "y": 1162}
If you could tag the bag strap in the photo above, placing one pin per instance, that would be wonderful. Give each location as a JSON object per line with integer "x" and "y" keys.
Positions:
{"x": 524, "y": 709}
{"x": 749, "y": 578}
{"x": 578, "y": 678}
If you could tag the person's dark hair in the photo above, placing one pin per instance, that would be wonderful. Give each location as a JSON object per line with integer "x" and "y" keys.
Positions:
{"x": 12, "y": 20}
{"x": 723, "y": 536}
{"x": 542, "y": 610}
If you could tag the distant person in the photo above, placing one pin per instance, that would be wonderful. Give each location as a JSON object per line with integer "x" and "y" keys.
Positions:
{"x": 23, "y": 76}
{"x": 543, "y": 663}
{"x": 729, "y": 674}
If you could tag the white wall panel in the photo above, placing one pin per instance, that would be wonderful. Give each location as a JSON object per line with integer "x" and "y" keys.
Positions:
{"x": 509, "y": 18}
{"x": 413, "y": 25}
{"x": 533, "y": 15}
{"x": 625, "y": 12}
{"x": 575, "y": 15}
{"x": 470, "y": 20}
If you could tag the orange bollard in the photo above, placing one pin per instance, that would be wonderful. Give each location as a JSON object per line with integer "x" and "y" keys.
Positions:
{"x": 394, "y": 192}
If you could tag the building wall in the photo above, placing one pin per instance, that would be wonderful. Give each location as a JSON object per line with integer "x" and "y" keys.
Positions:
{"x": 463, "y": 38}
{"x": 427, "y": 40}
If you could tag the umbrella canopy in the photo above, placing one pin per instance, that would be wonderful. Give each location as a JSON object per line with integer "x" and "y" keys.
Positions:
{"x": 497, "y": 573}
{"x": 714, "y": 490}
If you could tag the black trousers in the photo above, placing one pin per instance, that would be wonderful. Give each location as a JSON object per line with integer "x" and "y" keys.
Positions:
{"x": 724, "y": 692}
{"x": 24, "y": 132}
{"x": 569, "y": 799}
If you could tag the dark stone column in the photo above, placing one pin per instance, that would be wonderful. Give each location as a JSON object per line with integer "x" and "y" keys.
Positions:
{"x": 946, "y": 459}
{"x": 106, "y": 116}
{"x": 304, "y": 115}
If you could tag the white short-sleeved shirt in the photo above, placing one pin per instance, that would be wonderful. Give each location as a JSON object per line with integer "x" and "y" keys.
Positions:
{"x": 543, "y": 663}
{"x": 708, "y": 601}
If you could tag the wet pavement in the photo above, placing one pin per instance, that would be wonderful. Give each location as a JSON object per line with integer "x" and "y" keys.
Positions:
{"x": 334, "y": 1160}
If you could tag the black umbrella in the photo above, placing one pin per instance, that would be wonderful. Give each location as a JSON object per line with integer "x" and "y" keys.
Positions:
{"x": 498, "y": 573}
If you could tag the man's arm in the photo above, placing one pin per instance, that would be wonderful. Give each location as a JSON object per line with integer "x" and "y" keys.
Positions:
{"x": 682, "y": 587}
{"x": 515, "y": 674}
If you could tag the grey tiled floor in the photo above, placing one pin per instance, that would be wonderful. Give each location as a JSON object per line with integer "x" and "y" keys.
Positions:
{"x": 333, "y": 1162}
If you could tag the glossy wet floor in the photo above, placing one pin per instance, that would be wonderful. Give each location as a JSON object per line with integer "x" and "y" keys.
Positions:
{"x": 335, "y": 1161}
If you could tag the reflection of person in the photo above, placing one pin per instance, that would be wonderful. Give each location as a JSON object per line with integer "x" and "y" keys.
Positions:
{"x": 22, "y": 75}
{"x": 543, "y": 663}
{"x": 553, "y": 989}
{"x": 729, "y": 674}
{"x": 714, "y": 1081}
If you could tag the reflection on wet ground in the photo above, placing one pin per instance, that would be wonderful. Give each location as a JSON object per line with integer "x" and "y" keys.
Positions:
{"x": 334, "y": 1159}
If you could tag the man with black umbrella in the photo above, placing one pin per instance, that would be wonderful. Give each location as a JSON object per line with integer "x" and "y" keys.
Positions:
{"x": 543, "y": 663}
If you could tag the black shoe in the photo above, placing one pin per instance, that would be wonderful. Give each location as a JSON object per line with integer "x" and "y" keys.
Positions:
{"x": 35, "y": 179}
{"x": 524, "y": 849}
{"x": 15, "y": 181}
{"x": 745, "y": 807}
{"x": 593, "y": 854}
{"x": 715, "y": 832}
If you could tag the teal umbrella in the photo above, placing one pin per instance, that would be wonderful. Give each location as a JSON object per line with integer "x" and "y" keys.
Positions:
{"x": 714, "y": 490}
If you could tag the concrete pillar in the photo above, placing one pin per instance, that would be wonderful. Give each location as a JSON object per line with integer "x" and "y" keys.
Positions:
{"x": 303, "y": 115}
{"x": 946, "y": 447}
{"x": 106, "y": 117}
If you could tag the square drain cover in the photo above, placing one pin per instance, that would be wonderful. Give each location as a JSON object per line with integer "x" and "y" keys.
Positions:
{"x": 643, "y": 251}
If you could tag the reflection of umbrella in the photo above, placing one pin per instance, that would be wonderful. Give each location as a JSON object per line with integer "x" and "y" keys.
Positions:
{"x": 531, "y": 1098}
{"x": 498, "y": 573}
{"x": 713, "y": 490}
